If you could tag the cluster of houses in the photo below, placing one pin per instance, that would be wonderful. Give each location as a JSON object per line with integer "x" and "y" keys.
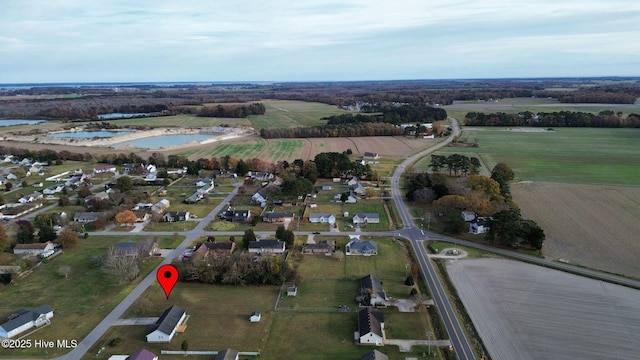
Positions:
{"x": 370, "y": 320}
{"x": 204, "y": 186}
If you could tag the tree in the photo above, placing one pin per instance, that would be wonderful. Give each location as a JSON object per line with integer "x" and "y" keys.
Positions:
{"x": 84, "y": 192}
{"x": 64, "y": 201}
{"x": 8, "y": 186}
{"x": 485, "y": 185}
{"x": 64, "y": 270}
{"x": 124, "y": 184}
{"x": 450, "y": 204}
{"x": 289, "y": 238}
{"x": 4, "y": 238}
{"x": 454, "y": 223}
{"x": 242, "y": 168}
{"x": 46, "y": 233}
{"x": 24, "y": 233}
{"x": 504, "y": 226}
{"x": 67, "y": 238}
{"x": 532, "y": 233}
{"x": 502, "y": 173}
{"x": 121, "y": 268}
{"x": 126, "y": 217}
{"x": 280, "y": 232}
{"x": 248, "y": 236}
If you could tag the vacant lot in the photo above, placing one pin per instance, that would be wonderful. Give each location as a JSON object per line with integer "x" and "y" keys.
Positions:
{"x": 591, "y": 225}
{"x": 523, "y": 311}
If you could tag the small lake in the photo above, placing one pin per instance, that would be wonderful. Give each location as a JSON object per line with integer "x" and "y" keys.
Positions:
{"x": 89, "y": 134}
{"x": 122, "y": 116}
{"x": 166, "y": 140}
{"x": 11, "y": 122}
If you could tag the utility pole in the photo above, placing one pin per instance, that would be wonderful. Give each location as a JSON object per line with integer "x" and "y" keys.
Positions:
{"x": 429, "y": 333}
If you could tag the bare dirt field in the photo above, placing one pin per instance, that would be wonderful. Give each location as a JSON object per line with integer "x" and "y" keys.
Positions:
{"x": 524, "y": 311}
{"x": 595, "y": 226}
{"x": 383, "y": 145}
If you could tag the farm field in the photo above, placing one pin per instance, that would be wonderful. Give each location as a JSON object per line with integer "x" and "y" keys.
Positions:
{"x": 285, "y": 332}
{"x": 283, "y": 114}
{"x": 512, "y": 105}
{"x": 569, "y": 155}
{"x": 595, "y": 226}
{"x": 182, "y": 120}
{"x": 523, "y": 311}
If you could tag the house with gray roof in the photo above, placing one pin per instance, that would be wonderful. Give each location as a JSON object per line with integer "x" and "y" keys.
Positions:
{"x": 24, "y": 320}
{"x": 165, "y": 328}
{"x": 363, "y": 248}
{"x": 86, "y": 217}
{"x": 322, "y": 218}
{"x": 227, "y": 354}
{"x": 366, "y": 218}
{"x": 374, "y": 355}
{"x": 371, "y": 288}
{"x": 370, "y": 327}
{"x": 266, "y": 246}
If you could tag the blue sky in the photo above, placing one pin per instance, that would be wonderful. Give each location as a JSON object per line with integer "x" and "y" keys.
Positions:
{"x": 278, "y": 40}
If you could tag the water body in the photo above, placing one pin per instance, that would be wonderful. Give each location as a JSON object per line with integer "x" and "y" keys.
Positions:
{"x": 166, "y": 140}
{"x": 122, "y": 116}
{"x": 11, "y": 122}
{"x": 89, "y": 134}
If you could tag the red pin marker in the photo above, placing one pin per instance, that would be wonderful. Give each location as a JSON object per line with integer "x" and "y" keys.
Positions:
{"x": 167, "y": 276}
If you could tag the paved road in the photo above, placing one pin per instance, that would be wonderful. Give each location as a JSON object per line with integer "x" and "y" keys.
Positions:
{"x": 458, "y": 339}
{"x": 93, "y": 337}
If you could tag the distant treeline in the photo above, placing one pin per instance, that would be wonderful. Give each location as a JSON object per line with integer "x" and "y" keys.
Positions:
{"x": 607, "y": 119}
{"x": 397, "y": 115}
{"x": 356, "y": 129}
{"x": 225, "y": 111}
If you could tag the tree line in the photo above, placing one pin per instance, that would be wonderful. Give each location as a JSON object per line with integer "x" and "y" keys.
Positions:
{"x": 342, "y": 130}
{"x": 605, "y": 119}
{"x": 225, "y": 111}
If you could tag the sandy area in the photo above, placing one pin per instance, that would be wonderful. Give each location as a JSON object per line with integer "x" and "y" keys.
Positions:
{"x": 591, "y": 225}
{"x": 524, "y": 311}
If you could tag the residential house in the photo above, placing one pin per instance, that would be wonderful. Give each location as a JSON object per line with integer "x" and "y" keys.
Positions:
{"x": 38, "y": 184}
{"x": 165, "y": 328}
{"x": 266, "y": 246}
{"x": 143, "y": 354}
{"x": 370, "y": 327}
{"x": 6, "y": 158}
{"x": 240, "y": 216}
{"x": 227, "y": 354}
{"x": 160, "y": 206}
{"x": 152, "y": 176}
{"x": 364, "y": 248}
{"x": 53, "y": 189}
{"x": 278, "y": 217}
{"x": 468, "y": 215}
{"x": 35, "y": 196}
{"x": 374, "y": 355}
{"x": 136, "y": 249}
{"x": 259, "y": 199}
{"x": 86, "y": 217}
{"x": 371, "y": 288}
{"x": 215, "y": 248}
{"x": 353, "y": 181}
{"x": 326, "y": 247}
{"x": 478, "y": 226}
{"x": 336, "y": 179}
{"x": 322, "y": 218}
{"x": 370, "y": 156}
{"x": 194, "y": 198}
{"x": 105, "y": 168}
{"x": 33, "y": 249}
{"x": 358, "y": 189}
{"x": 366, "y": 218}
{"x": 260, "y": 175}
{"x": 172, "y": 216}
{"x": 24, "y": 320}
{"x": 12, "y": 176}
{"x": 204, "y": 182}
{"x": 142, "y": 216}
{"x": 102, "y": 196}
{"x": 255, "y": 317}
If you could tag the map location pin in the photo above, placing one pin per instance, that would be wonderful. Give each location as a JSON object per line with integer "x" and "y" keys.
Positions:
{"x": 167, "y": 276}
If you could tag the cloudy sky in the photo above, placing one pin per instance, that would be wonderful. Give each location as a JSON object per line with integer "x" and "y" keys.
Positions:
{"x": 309, "y": 40}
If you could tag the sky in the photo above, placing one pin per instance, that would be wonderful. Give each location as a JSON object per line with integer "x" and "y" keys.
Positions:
{"x": 44, "y": 41}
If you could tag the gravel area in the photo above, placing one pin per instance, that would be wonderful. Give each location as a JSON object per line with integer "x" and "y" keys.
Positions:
{"x": 524, "y": 311}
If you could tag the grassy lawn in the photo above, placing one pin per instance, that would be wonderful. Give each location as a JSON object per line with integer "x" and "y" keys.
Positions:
{"x": 80, "y": 301}
{"x": 570, "y": 155}
{"x": 368, "y": 206}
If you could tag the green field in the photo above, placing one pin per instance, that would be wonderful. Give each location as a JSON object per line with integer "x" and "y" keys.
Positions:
{"x": 181, "y": 121}
{"x": 283, "y": 149}
{"x": 284, "y": 114}
{"x": 570, "y": 155}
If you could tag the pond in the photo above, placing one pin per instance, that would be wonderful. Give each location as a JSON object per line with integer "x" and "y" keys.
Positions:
{"x": 11, "y": 122}
{"x": 89, "y": 134}
{"x": 122, "y": 116}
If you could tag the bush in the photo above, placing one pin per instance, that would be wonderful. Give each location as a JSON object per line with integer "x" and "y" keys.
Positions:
{"x": 409, "y": 281}
{"x": 413, "y": 292}
{"x": 115, "y": 342}
{"x": 185, "y": 345}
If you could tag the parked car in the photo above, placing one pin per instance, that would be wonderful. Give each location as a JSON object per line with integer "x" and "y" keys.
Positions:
{"x": 46, "y": 254}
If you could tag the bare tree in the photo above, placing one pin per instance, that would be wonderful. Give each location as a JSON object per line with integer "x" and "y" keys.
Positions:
{"x": 121, "y": 268}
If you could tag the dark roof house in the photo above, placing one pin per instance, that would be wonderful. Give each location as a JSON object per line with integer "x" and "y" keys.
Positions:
{"x": 164, "y": 329}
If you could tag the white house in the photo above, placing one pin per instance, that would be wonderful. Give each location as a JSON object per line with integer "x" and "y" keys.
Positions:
{"x": 366, "y": 218}
{"x": 370, "y": 327}
{"x": 165, "y": 328}
{"x": 53, "y": 189}
{"x": 322, "y": 218}
{"x": 468, "y": 215}
{"x": 35, "y": 196}
{"x": 371, "y": 288}
{"x": 24, "y": 320}
{"x": 104, "y": 169}
{"x": 267, "y": 246}
{"x": 363, "y": 248}
{"x": 478, "y": 226}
